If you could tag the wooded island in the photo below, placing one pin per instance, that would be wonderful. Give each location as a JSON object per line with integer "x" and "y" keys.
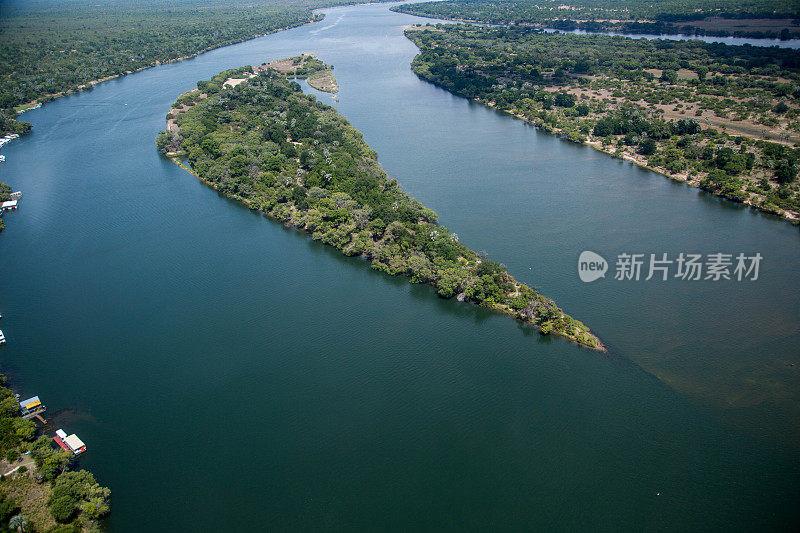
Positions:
{"x": 281, "y": 152}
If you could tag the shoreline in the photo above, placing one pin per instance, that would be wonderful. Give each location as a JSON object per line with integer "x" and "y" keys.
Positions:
{"x": 625, "y": 155}
{"x": 89, "y": 85}
{"x": 631, "y": 158}
{"x": 678, "y": 33}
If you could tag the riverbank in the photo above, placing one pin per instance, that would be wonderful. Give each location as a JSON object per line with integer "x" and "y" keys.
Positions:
{"x": 38, "y": 489}
{"x": 38, "y": 102}
{"x": 235, "y": 26}
{"x": 767, "y": 25}
{"x": 310, "y": 169}
{"x": 631, "y": 156}
{"x": 38, "y": 484}
{"x": 729, "y": 132}
{"x": 5, "y": 194}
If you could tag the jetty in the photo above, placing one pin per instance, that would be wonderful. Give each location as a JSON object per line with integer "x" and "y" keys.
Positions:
{"x": 32, "y": 408}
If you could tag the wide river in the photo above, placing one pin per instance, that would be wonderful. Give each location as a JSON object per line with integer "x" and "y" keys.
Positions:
{"x": 228, "y": 373}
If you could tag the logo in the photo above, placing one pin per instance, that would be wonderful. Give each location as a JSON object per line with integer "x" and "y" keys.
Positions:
{"x": 591, "y": 266}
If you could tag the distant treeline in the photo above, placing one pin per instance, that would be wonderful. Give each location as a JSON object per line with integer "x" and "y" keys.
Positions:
{"x": 625, "y": 16}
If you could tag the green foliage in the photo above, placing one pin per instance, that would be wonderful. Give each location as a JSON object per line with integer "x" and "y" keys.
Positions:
{"x": 282, "y": 152}
{"x": 5, "y": 191}
{"x": 669, "y": 76}
{"x": 626, "y": 16}
{"x": 542, "y": 77}
{"x": 8, "y": 124}
{"x": 78, "y": 491}
{"x": 63, "y": 508}
{"x": 720, "y": 182}
{"x": 8, "y": 508}
{"x": 50, "y": 48}
{"x": 50, "y": 463}
{"x": 786, "y": 171}
{"x": 14, "y": 431}
{"x": 65, "y": 528}
{"x": 647, "y": 147}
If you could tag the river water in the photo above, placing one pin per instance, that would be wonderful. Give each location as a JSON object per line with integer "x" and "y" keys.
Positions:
{"x": 228, "y": 373}
{"x": 736, "y": 41}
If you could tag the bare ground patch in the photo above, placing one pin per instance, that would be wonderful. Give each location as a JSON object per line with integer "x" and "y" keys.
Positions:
{"x": 31, "y": 497}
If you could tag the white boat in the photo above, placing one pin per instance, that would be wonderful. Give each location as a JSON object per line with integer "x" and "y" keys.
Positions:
{"x": 2, "y": 337}
{"x": 2, "y": 158}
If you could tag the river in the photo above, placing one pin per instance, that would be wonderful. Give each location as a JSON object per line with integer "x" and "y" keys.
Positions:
{"x": 228, "y": 373}
{"x": 736, "y": 41}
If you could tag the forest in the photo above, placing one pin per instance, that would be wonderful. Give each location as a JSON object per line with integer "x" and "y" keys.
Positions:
{"x": 283, "y": 153}
{"x": 740, "y": 18}
{"x": 68, "y": 500}
{"x": 50, "y": 48}
{"x": 720, "y": 117}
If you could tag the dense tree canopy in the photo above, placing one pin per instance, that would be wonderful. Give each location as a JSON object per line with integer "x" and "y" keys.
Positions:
{"x": 50, "y": 47}
{"x": 702, "y": 17}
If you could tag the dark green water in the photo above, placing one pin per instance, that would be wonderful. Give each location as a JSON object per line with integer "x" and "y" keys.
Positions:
{"x": 227, "y": 373}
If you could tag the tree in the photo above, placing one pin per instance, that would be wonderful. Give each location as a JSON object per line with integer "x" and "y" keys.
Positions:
{"x": 647, "y": 147}
{"x": 785, "y": 171}
{"x": 781, "y": 107}
{"x": 669, "y": 76}
{"x": 449, "y": 282}
{"x": 19, "y": 522}
{"x": 8, "y": 507}
{"x": 63, "y": 508}
{"x": 49, "y": 462}
{"x": 701, "y": 72}
{"x": 74, "y": 491}
{"x": 564, "y": 99}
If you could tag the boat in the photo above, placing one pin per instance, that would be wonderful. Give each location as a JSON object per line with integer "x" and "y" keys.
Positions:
{"x": 69, "y": 443}
{"x": 2, "y": 337}
{"x": 2, "y": 158}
